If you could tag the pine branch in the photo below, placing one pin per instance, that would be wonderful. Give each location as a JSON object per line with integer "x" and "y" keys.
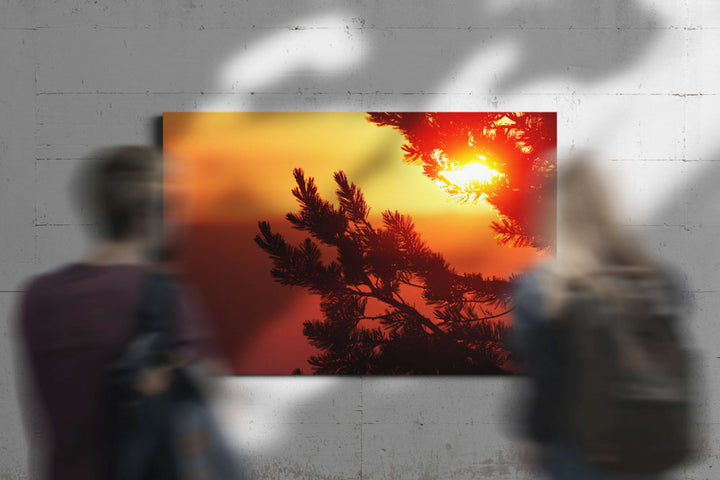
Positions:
{"x": 352, "y": 201}
{"x": 490, "y": 317}
{"x": 510, "y": 232}
{"x": 375, "y": 263}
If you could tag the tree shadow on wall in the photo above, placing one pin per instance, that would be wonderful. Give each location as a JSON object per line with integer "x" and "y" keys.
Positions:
{"x": 551, "y": 40}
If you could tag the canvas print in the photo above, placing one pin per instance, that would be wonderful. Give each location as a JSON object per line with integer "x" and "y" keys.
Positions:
{"x": 381, "y": 243}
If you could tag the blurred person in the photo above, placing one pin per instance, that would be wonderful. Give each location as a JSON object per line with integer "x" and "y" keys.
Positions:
{"x": 597, "y": 331}
{"x": 76, "y": 321}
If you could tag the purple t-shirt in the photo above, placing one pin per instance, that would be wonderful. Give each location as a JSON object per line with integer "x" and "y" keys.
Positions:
{"x": 74, "y": 322}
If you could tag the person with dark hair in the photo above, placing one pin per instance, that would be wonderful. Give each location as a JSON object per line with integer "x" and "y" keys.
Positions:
{"x": 74, "y": 322}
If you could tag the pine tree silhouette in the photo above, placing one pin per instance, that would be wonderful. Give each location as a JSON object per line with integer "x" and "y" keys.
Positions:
{"x": 520, "y": 145}
{"x": 383, "y": 266}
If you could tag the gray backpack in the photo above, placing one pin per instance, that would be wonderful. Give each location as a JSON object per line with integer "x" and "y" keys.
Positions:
{"x": 628, "y": 398}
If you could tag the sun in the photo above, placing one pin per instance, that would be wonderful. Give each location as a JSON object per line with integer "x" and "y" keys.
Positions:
{"x": 470, "y": 175}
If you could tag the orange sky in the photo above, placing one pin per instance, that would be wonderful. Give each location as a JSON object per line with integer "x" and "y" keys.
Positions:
{"x": 236, "y": 169}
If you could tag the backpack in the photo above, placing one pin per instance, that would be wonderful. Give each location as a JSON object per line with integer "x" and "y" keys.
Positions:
{"x": 627, "y": 405}
{"x": 171, "y": 435}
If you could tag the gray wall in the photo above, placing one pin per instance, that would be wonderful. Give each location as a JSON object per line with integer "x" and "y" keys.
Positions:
{"x": 636, "y": 81}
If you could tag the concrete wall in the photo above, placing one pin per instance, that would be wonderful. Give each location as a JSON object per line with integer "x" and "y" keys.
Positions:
{"x": 637, "y": 81}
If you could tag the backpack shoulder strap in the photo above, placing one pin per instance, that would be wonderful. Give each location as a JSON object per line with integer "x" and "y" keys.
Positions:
{"x": 157, "y": 303}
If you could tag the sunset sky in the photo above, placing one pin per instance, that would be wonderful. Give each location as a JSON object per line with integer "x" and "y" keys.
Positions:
{"x": 235, "y": 169}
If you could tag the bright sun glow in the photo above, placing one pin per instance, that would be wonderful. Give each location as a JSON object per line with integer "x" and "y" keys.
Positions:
{"x": 469, "y": 174}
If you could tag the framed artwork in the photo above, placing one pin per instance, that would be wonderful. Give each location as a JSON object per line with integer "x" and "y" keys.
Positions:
{"x": 360, "y": 243}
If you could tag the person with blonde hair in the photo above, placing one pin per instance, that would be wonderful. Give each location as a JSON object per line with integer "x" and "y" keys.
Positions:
{"x": 596, "y": 329}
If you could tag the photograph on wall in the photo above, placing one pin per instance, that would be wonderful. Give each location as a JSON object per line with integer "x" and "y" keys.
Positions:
{"x": 354, "y": 243}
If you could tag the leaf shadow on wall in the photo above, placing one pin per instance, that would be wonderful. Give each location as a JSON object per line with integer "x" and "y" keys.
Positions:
{"x": 392, "y": 65}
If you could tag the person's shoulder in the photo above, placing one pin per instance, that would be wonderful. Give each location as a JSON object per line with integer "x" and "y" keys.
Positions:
{"x": 530, "y": 281}
{"x": 54, "y": 280}
{"x": 673, "y": 276}
{"x": 43, "y": 281}
{"x": 529, "y": 292}
{"x": 36, "y": 292}
{"x": 675, "y": 284}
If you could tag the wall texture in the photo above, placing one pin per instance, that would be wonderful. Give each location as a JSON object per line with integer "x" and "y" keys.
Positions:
{"x": 637, "y": 81}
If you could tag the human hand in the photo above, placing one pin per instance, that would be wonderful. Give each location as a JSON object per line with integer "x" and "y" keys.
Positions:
{"x": 155, "y": 380}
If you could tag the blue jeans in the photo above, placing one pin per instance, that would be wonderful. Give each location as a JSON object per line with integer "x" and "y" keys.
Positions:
{"x": 565, "y": 463}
